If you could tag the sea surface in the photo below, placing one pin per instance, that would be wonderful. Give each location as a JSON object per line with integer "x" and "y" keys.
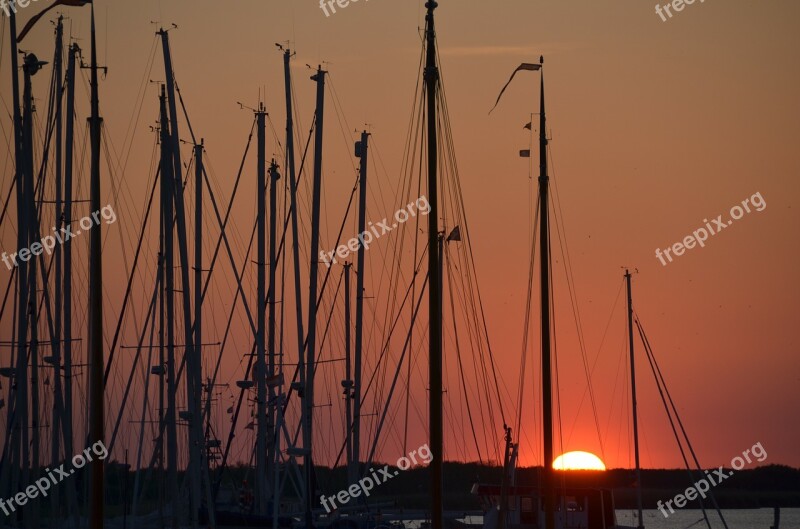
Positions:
{"x": 688, "y": 518}
{"x": 735, "y": 518}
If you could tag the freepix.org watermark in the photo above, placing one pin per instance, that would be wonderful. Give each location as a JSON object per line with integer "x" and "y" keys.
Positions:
{"x": 366, "y": 237}
{"x": 329, "y": 4}
{"x": 5, "y": 5}
{"x": 700, "y": 235}
{"x": 53, "y": 477}
{"x": 677, "y": 5}
{"x": 367, "y": 483}
{"x": 712, "y": 478}
{"x": 60, "y": 236}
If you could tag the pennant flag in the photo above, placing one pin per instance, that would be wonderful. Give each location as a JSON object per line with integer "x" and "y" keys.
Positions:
{"x": 455, "y": 235}
{"x": 527, "y": 126}
{"x": 35, "y": 19}
{"x": 525, "y": 153}
{"x": 524, "y": 66}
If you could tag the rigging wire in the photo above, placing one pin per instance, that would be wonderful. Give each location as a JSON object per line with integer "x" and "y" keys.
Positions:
{"x": 670, "y": 410}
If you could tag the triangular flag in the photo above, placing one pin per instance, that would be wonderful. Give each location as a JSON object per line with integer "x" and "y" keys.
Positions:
{"x": 524, "y": 66}
{"x": 527, "y": 126}
{"x": 35, "y": 19}
{"x": 455, "y": 235}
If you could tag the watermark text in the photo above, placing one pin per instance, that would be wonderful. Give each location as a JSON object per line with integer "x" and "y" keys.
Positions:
{"x": 52, "y": 477}
{"x": 365, "y": 238}
{"x": 60, "y": 236}
{"x": 701, "y": 235}
{"x": 368, "y": 482}
{"x": 713, "y": 477}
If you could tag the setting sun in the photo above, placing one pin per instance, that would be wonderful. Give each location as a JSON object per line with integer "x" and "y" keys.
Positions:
{"x": 578, "y": 461}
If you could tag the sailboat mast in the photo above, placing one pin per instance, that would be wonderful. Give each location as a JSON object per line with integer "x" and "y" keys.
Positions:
{"x": 58, "y": 407}
{"x": 167, "y": 183}
{"x": 198, "y": 246}
{"x": 260, "y": 370}
{"x": 501, "y": 514}
{"x": 67, "y": 296}
{"x": 348, "y": 380}
{"x": 544, "y": 251}
{"x": 290, "y": 167}
{"x": 319, "y": 77}
{"x": 163, "y": 357}
{"x": 362, "y": 151}
{"x": 191, "y": 349}
{"x": 96, "y": 301}
{"x": 29, "y": 69}
{"x": 18, "y": 400}
{"x": 633, "y": 401}
{"x": 431, "y": 77}
{"x": 274, "y": 176}
{"x": 197, "y": 416}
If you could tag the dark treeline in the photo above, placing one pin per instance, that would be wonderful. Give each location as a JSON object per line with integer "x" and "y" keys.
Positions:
{"x": 768, "y": 486}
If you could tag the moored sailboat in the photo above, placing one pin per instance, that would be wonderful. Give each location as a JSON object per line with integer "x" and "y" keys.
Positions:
{"x": 546, "y": 504}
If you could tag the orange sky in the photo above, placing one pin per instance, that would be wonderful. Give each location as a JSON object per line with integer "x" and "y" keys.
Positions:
{"x": 655, "y": 126}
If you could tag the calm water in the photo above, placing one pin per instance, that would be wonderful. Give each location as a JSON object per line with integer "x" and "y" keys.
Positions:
{"x": 689, "y": 518}
{"x": 735, "y": 518}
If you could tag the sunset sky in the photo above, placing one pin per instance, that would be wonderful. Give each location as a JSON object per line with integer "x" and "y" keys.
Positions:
{"x": 655, "y": 126}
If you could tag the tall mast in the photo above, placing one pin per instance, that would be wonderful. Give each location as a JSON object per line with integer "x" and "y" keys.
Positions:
{"x": 197, "y": 417}
{"x": 319, "y": 77}
{"x": 544, "y": 252}
{"x": 58, "y": 407}
{"x": 31, "y": 66}
{"x": 434, "y": 299}
{"x": 191, "y": 349}
{"x": 633, "y": 401}
{"x": 274, "y": 176}
{"x": 96, "y": 302}
{"x": 163, "y": 371}
{"x": 19, "y": 403}
{"x": 260, "y": 371}
{"x": 348, "y": 381}
{"x": 298, "y": 299}
{"x": 167, "y": 182}
{"x": 67, "y": 299}
{"x": 290, "y": 167}
{"x": 501, "y": 515}
{"x": 362, "y": 149}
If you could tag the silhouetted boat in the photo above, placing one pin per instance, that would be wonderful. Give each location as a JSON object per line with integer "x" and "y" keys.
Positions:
{"x": 545, "y": 505}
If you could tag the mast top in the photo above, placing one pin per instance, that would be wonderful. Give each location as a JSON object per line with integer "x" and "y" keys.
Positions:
{"x": 431, "y": 71}
{"x": 320, "y": 72}
{"x": 162, "y": 31}
{"x": 32, "y": 64}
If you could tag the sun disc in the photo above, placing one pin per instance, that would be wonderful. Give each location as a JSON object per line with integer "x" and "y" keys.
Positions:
{"x": 578, "y": 460}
